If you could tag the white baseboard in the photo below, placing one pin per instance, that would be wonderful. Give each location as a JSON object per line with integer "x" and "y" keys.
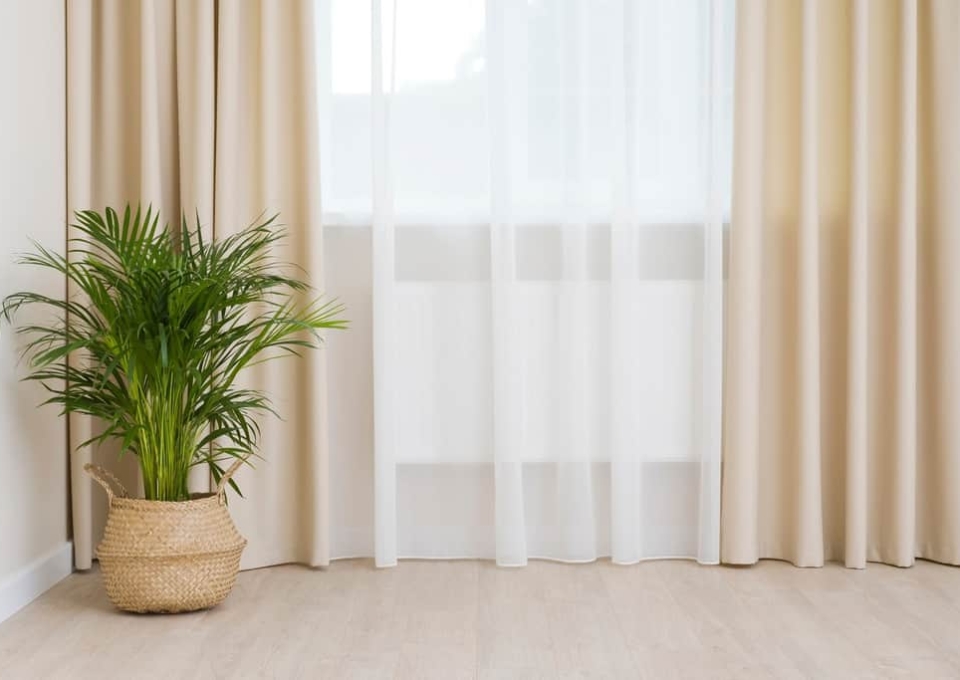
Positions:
{"x": 20, "y": 589}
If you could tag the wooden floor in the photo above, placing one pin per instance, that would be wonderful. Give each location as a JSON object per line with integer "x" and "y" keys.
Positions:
{"x": 473, "y": 620}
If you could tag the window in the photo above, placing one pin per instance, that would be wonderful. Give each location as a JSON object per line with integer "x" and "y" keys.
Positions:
{"x": 556, "y": 110}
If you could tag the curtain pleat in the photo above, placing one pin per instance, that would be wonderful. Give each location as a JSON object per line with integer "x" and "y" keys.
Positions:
{"x": 507, "y": 388}
{"x": 383, "y": 34}
{"x": 209, "y": 109}
{"x": 841, "y": 366}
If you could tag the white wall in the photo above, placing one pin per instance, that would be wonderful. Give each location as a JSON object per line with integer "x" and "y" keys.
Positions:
{"x": 34, "y": 548}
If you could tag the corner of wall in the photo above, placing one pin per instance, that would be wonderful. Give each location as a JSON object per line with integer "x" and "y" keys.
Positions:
{"x": 23, "y": 587}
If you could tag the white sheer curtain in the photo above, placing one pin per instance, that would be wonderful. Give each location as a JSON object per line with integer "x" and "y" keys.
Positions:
{"x": 546, "y": 182}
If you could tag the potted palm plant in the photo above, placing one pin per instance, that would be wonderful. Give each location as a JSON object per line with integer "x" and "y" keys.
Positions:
{"x": 152, "y": 344}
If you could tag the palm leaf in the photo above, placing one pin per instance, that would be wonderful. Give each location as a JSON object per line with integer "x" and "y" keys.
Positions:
{"x": 161, "y": 328}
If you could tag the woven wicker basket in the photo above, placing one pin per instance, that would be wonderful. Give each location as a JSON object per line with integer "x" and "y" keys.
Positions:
{"x": 159, "y": 556}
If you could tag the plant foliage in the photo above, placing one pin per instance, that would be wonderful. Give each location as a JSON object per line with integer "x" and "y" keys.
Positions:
{"x": 161, "y": 326}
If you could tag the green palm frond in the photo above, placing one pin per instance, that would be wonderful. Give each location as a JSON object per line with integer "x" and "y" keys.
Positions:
{"x": 160, "y": 328}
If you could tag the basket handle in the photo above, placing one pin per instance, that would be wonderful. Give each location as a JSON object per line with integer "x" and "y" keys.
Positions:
{"x": 225, "y": 477}
{"x": 106, "y": 479}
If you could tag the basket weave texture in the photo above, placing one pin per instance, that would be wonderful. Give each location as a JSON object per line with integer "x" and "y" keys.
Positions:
{"x": 159, "y": 556}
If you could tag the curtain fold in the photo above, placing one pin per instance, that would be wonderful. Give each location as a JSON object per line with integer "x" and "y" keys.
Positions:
{"x": 209, "y": 108}
{"x": 842, "y": 373}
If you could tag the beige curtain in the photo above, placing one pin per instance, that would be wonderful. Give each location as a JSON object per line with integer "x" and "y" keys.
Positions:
{"x": 207, "y": 106}
{"x": 842, "y": 437}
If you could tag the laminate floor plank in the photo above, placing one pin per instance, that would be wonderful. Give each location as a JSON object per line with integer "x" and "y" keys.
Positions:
{"x": 471, "y": 619}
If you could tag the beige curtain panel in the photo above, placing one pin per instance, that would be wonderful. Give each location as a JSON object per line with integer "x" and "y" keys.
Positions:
{"x": 842, "y": 425}
{"x": 206, "y": 106}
